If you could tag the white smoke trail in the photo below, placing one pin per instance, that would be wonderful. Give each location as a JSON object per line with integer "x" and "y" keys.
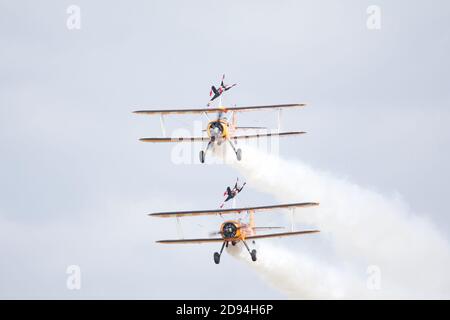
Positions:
{"x": 363, "y": 228}
{"x": 301, "y": 276}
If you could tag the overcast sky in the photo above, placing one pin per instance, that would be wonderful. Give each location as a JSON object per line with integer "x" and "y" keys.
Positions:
{"x": 76, "y": 184}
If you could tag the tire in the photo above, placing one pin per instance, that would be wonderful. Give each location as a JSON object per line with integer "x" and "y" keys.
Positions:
{"x": 202, "y": 156}
{"x": 216, "y": 258}
{"x": 239, "y": 154}
{"x": 253, "y": 254}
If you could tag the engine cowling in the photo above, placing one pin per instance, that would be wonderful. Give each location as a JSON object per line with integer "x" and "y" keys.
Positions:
{"x": 230, "y": 230}
{"x": 217, "y": 129}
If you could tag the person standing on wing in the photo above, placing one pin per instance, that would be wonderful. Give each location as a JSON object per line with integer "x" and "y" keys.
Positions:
{"x": 217, "y": 92}
{"x": 231, "y": 193}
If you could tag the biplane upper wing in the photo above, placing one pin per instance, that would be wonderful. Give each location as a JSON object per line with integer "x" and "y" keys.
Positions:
{"x": 180, "y": 139}
{"x": 230, "y": 211}
{"x": 219, "y": 109}
{"x": 281, "y": 234}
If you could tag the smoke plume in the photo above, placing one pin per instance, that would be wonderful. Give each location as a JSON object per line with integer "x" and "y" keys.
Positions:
{"x": 367, "y": 235}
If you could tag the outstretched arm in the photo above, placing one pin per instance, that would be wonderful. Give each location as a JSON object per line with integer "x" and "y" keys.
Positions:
{"x": 229, "y": 87}
{"x": 239, "y": 190}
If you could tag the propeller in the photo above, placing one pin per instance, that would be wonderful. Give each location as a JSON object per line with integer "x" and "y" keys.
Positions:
{"x": 216, "y": 233}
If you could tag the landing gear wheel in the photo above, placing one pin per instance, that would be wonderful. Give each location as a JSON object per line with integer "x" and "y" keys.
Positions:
{"x": 216, "y": 257}
{"x": 253, "y": 254}
{"x": 233, "y": 243}
{"x": 239, "y": 154}
{"x": 202, "y": 156}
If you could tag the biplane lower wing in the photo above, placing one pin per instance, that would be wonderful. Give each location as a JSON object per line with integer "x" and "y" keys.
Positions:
{"x": 265, "y": 135}
{"x": 181, "y": 139}
{"x": 231, "y": 211}
{"x": 219, "y": 109}
{"x": 281, "y": 234}
{"x": 262, "y": 236}
{"x": 176, "y": 241}
{"x": 198, "y": 139}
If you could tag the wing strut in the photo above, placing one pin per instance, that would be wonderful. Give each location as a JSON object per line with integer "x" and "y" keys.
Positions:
{"x": 292, "y": 219}
{"x": 163, "y": 128}
{"x": 179, "y": 229}
{"x": 279, "y": 119}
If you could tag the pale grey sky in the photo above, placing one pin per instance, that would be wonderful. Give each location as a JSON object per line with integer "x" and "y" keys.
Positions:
{"x": 76, "y": 184}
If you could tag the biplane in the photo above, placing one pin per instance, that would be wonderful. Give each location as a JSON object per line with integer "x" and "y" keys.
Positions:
{"x": 234, "y": 231}
{"x": 219, "y": 129}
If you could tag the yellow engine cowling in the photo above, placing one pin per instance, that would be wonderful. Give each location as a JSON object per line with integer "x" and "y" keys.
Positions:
{"x": 225, "y": 128}
{"x": 231, "y": 231}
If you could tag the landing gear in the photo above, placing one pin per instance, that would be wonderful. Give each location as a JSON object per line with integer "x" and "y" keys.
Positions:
{"x": 217, "y": 254}
{"x": 252, "y": 253}
{"x": 202, "y": 153}
{"x": 237, "y": 151}
{"x": 216, "y": 257}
